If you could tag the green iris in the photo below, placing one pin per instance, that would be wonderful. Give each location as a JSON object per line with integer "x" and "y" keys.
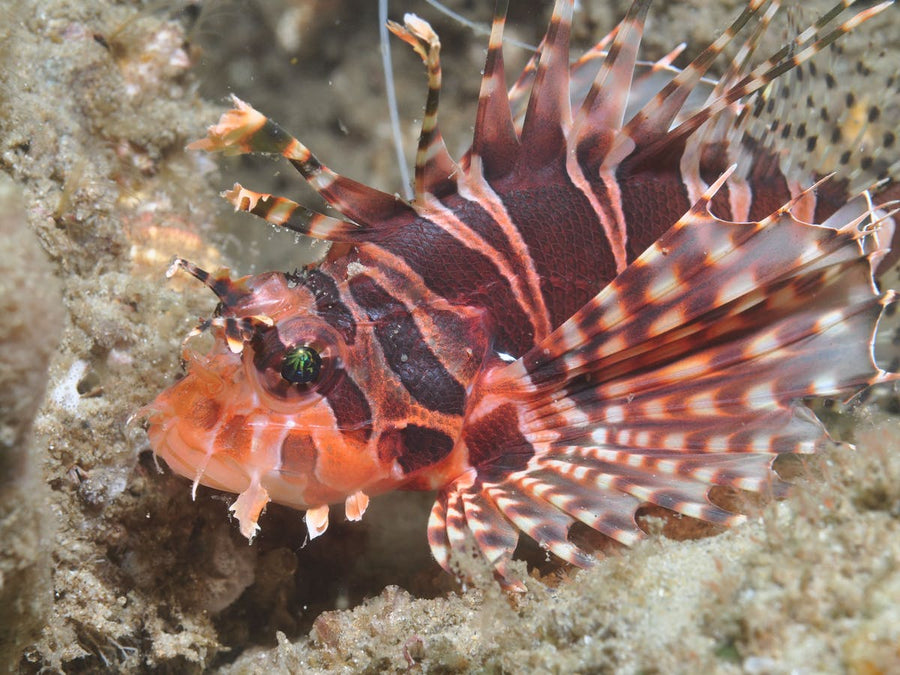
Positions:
{"x": 301, "y": 365}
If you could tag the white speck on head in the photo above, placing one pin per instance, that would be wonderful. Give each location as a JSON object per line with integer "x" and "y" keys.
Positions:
{"x": 355, "y": 268}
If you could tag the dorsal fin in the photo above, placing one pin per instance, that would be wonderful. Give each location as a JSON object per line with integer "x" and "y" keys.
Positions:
{"x": 778, "y": 64}
{"x": 548, "y": 118}
{"x": 495, "y": 138}
{"x": 519, "y": 93}
{"x": 435, "y": 168}
{"x": 581, "y": 74}
{"x": 652, "y": 122}
{"x": 740, "y": 63}
{"x": 244, "y": 130}
{"x": 603, "y": 108}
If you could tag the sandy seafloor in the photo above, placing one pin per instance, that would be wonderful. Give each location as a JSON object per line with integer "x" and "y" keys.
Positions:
{"x": 107, "y": 564}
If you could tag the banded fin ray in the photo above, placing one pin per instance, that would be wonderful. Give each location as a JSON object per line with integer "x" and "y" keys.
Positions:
{"x": 775, "y": 66}
{"x": 495, "y": 141}
{"x": 435, "y": 168}
{"x": 244, "y": 130}
{"x": 709, "y": 396}
{"x": 549, "y": 116}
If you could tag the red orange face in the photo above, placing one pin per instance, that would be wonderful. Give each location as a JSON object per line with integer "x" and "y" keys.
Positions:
{"x": 268, "y": 405}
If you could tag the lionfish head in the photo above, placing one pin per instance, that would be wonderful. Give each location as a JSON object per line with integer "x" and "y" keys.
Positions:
{"x": 255, "y": 413}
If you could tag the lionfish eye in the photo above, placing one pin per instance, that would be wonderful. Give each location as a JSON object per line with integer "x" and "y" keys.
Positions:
{"x": 294, "y": 363}
{"x": 301, "y": 365}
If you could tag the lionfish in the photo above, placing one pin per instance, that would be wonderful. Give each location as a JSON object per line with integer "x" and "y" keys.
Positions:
{"x": 618, "y": 296}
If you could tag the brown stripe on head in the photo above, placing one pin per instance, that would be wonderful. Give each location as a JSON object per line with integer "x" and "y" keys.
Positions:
{"x": 351, "y": 409}
{"x": 329, "y": 303}
{"x": 298, "y": 454}
{"x": 406, "y": 351}
{"x": 421, "y": 447}
{"x": 235, "y": 437}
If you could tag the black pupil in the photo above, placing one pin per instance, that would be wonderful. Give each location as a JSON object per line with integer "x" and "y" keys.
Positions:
{"x": 301, "y": 365}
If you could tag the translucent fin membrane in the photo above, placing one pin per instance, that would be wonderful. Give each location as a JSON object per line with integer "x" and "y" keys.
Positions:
{"x": 687, "y": 372}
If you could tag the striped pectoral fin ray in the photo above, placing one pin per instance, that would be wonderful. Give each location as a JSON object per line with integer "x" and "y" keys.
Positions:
{"x": 493, "y": 511}
{"x": 244, "y": 130}
{"x": 462, "y": 510}
{"x": 709, "y": 341}
{"x": 687, "y": 372}
{"x": 290, "y": 215}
